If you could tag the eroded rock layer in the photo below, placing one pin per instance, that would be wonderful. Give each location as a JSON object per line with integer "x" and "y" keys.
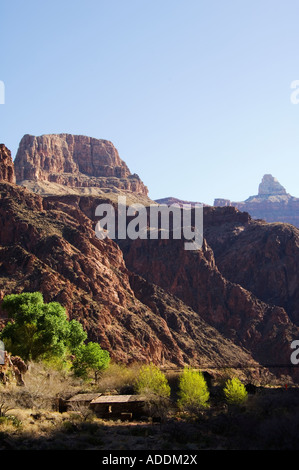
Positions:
{"x": 74, "y": 161}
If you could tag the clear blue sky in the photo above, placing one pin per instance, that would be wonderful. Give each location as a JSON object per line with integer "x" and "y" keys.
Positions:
{"x": 195, "y": 94}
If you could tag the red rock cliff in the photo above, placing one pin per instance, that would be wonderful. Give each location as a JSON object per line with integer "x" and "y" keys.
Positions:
{"x": 75, "y": 161}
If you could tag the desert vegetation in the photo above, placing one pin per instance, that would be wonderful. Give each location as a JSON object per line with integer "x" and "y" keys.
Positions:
{"x": 29, "y": 418}
{"x": 182, "y": 410}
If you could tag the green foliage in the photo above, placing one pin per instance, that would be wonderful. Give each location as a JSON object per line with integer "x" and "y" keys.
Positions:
{"x": 75, "y": 336}
{"x": 10, "y": 419}
{"x": 152, "y": 381}
{"x": 92, "y": 357}
{"x": 43, "y": 331}
{"x": 235, "y": 392}
{"x": 38, "y": 329}
{"x": 193, "y": 391}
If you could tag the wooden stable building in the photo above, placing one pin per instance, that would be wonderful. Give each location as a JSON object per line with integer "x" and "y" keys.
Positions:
{"x": 124, "y": 407}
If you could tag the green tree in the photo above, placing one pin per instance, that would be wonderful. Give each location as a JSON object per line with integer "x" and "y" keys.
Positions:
{"x": 235, "y": 392}
{"x": 37, "y": 329}
{"x": 90, "y": 357}
{"x": 193, "y": 391}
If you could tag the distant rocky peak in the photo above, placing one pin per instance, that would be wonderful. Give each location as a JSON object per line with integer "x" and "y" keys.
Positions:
{"x": 270, "y": 186}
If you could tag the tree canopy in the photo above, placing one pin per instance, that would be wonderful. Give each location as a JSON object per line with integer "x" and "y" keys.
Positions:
{"x": 42, "y": 330}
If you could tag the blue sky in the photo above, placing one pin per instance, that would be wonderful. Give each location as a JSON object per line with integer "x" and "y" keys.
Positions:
{"x": 194, "y": 94}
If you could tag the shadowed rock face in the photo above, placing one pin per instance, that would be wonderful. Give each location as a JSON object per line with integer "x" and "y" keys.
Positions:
{"x": 75, "y": 161}
{"x": 244, "y": 281}
{"x": 7, "y": 172}
{"x": 262, "y": 257}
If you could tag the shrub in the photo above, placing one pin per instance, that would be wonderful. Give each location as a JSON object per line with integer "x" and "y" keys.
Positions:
{"x": 153, "y": 384}
{"x": 235, "y": 392}
{"x": 151, "y": 380}
{"x": 43, "y": 385}
{"x": 193, "y": 391}
{"x": 119, "y": 377}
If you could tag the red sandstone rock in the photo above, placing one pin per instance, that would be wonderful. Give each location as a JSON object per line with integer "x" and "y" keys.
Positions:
{"x": 198, "y": 315}
{"x": 74, "y": 160}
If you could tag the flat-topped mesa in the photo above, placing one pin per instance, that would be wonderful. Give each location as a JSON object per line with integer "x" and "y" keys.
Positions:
{"x": 74, "y": 160}
{"x": 7, "y": 172}
{"x": 270, "y": 186}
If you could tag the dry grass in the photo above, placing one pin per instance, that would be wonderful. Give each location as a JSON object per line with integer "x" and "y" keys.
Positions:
{"x": 118, "y": 378}
{"x": 43, "y": 384}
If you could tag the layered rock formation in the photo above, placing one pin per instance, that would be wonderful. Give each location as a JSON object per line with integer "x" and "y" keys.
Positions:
{"x": 173, "y": 200}
{"x": 49, "y": 245}
{"x": 52, "y": 163}
{"x": 270, "y": 186}
{"x": 272, "y": 203}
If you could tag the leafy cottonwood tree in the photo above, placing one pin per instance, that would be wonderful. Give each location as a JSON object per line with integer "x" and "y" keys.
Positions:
{"x": 40, "y": 330}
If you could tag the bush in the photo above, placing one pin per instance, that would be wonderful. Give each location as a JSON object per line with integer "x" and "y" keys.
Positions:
{"x": 235, "y": 392}
{"x": 44, "y": 384}
{"x": 152, "y": 381}
{"x": 193, "y": 391}
{"x": 153, "y": 384}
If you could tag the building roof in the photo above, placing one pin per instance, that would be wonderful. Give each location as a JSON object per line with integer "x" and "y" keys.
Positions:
{"x": 118, "y": 399}
{"x": 84, "y": 397}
